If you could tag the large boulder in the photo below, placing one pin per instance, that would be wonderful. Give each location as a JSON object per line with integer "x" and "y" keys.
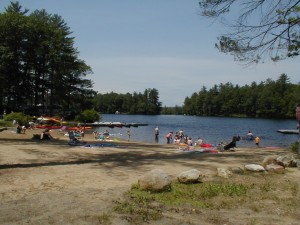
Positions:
{"x": 190, "y": 176}
{"x": 286, "y": 160}
{"x": 155, "y": 181}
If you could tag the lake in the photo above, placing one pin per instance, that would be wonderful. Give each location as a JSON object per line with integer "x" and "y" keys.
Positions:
{"x": 211, "y": 129}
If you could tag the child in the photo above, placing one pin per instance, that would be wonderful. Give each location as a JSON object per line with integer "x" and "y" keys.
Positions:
{"x": 257, "y": 140}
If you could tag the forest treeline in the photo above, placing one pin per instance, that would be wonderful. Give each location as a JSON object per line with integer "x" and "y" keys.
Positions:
{"x": 40, "y": 69}
{"x": 137, "y": 103}
{"x": 268, "y": 99}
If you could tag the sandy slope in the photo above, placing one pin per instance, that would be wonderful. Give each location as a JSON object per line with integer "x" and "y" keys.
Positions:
{"x": 50, "y": 182}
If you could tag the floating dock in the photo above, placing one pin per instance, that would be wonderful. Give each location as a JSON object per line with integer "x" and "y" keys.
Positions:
{"x": 114, "y": 124}
{"x": 288, "y": 131}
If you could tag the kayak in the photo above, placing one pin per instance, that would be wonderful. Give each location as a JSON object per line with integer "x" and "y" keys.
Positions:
{"x": 48, "y": 126}
{"x": 206, "y": 145}
{"x": 79, "y": 128}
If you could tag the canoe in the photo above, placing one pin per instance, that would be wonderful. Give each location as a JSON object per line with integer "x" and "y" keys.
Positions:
{"x": 288, "y": 131}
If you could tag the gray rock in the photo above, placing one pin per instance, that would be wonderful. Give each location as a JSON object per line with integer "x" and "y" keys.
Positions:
{"x": 156, "y": 181}
{"x": 225, "y": 173}
{"x": 286, "y": 161}
{"x": 269, "y": 160}
{"x": 254, "y": 168}
{"x": 275, "y": 168}
{"x": 190, "y": 176}
{"x": 236, "y": 170}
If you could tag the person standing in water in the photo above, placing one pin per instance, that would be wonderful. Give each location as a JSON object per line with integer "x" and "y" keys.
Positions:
{"x": 257, "y": 140}
{"x": 169, "y": 137}
{"x": 156, "y": 134}
{"x": 129, "y": 134}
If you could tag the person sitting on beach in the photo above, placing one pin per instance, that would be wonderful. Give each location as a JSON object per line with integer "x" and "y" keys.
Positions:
{"x": 199, "y": 142}
{"x": 19, "y": 128}
{"x": 101, "y": 137}
{"x": 45, "y": 135}
{"x": 190, "y": 142}
{"x": 81, "y": 132}
{"x": 96, "y": 134}
{"x": 106, "y": 133}
{"x": 176, "y": 140}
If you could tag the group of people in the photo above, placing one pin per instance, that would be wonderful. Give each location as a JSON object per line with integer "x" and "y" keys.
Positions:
{"x": 180, "y": 137}
{"x": 102, "y": 136}
{"x": 20, "y": 129}
{"x": 250, "y": 137}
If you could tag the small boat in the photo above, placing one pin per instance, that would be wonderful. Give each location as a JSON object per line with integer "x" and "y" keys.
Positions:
{"x": 288, "y": 131}
{"x": 79, "y": 128}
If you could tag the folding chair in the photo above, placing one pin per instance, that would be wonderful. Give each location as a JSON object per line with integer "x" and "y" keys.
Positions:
{"x": 73, "y": 139}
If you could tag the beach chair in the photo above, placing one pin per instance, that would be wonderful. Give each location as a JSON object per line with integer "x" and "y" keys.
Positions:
{"x": 73, "y": 139}
{"x": 63, "y": 129}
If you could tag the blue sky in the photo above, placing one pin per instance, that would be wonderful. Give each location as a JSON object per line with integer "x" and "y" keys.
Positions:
{"x": 132, "y": 45}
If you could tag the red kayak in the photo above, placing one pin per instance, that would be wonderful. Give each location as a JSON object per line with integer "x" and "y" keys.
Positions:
{"x": 48, "y": 126}
{"x": 206, "y": 145}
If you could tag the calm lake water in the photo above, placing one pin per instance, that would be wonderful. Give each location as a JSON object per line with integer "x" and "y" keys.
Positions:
{"x": 211, "y": 129}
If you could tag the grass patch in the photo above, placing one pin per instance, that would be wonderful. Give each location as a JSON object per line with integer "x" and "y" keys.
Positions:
{"x": 250, "y": 192}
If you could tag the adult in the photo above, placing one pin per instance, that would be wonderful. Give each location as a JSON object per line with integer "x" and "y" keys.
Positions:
{"x": 42, "y": 121}
{"x": 156, "y": 134}
{"x": 190, "y": 142}
{"x": 250, "y": 136}
{"x": 169, "y": 137}
{"x": 129, "y": 134}
{"x": 19, "y": 128}
{"x": 45, "y": 135}
{"x": 180, "y": 133}
{"x": 199, "y": 142}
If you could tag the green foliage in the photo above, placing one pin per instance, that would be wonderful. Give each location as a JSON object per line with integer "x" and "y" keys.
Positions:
{"x": 136, "y": 103}
{"x": 39, "y": 66}
{"x": 18, "y": 116}
{"x": 271, "y": 99}
{"x": 259, "y": 29}
{"x": 88, "y": 116}
{"x": 295, "y": 147}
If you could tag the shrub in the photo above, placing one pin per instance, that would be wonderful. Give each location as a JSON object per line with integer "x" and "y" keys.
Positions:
{"x": 89, "y": 116}
{"x": 295, "y": 147}
{"x": 18, "y": 116}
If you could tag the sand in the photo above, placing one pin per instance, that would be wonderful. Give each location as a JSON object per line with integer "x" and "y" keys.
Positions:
{"x": 51, "y": 182}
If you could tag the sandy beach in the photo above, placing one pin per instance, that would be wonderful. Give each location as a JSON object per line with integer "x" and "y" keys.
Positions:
{"x": 51, "y": 182}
